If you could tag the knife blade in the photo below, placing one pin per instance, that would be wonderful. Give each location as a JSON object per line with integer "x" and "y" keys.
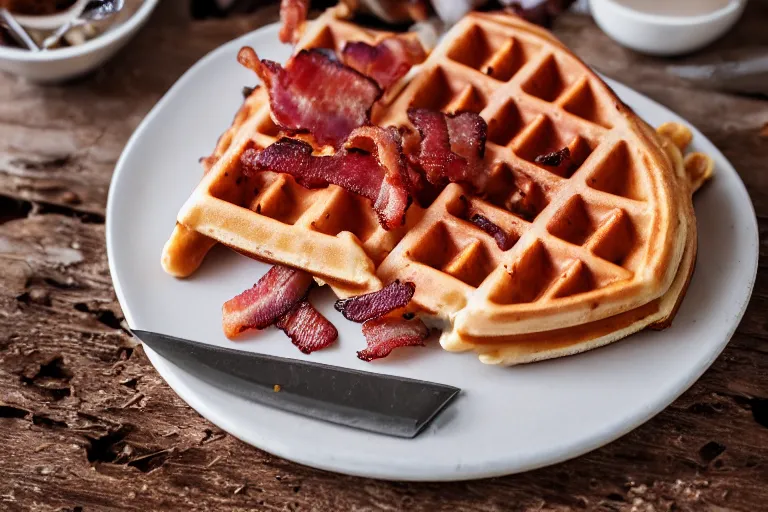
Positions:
{"x": 384, "y": 404}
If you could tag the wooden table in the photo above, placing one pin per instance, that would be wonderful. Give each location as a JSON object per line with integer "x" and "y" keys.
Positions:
{"x": 87, "y": 424}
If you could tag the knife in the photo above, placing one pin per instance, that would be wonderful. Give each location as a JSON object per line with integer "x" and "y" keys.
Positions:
{"x": 384, "y": 404}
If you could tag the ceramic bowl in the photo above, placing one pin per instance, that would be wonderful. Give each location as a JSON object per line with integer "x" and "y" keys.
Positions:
{"x": 662, "y": 34}
{"x": 62, "y": 64}
{"x": 52, "y": 21}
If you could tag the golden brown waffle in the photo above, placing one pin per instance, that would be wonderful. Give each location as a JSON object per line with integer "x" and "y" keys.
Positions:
{"x": 611, "y": 232}
{"x": 598, "y": 239}
{"x": 657, "y": 314}
{"x": 330, "y": 232}
{"x": 186, "y": 248}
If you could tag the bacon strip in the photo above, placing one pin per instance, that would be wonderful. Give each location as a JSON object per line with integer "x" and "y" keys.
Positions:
{"x": 388, "y": 333}
{"x": 308, "y": 329}
{"x": 315, "y": 93}
{"x": 376, "y": 304}
{"x": 270, "y": 298}
{"x": 503, "y": 240}
{"x": 452, "y": 146}
{"x": 467, "y": 132}
{"x": 555, "y": 158}
{"x": 293, "y": 15}
{"x": 378, "y": 174}
{"x": 386, "y": 62}
{"x": 395, "y": 193}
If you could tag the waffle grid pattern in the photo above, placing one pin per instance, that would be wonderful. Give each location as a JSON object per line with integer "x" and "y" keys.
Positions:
{"x": 594, "y": 220}
{"x": 330, "y": 232}
{"x": 582, "y": 230}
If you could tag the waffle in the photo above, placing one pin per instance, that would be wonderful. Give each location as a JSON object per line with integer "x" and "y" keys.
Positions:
{"x": 185, "y": 250}
{"x": 331, "y": 233}
{"x": 657, "y": 314}
{"x": 610, "y": 233}
{"x": 601, "y": 238}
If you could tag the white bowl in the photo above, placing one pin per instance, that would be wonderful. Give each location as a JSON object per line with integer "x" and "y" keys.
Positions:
{"x": 62, "y": 64}
{"x": 51, "y": 21}
{"x": 660, "y": 34}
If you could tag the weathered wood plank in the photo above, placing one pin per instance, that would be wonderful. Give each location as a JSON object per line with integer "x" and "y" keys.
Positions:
{"x": 58, "y": 145}
{"x": 86, "y": 422}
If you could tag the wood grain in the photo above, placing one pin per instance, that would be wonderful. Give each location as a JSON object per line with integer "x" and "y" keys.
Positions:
{"x": 87, "y": 424}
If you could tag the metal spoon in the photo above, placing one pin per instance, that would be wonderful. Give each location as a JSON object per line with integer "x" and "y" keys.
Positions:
{"x": 17, "y": 31}
{"x": 95, "y": 10}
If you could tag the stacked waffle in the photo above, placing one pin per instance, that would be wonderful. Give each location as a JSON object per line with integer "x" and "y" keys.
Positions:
{"x": 582, "y": 232}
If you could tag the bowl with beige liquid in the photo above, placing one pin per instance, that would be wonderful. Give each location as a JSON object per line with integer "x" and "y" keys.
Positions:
{"x": 666, "y": 27}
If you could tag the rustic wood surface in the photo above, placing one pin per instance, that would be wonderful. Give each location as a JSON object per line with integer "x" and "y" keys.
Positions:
{"x": 87, "y": 424}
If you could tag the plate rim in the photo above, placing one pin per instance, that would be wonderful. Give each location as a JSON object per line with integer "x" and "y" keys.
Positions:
{"x": 598, "y": 438}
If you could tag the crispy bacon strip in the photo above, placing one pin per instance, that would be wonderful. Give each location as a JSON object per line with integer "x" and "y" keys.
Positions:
{"x": 452, "y": 146}
{"x": 554, "y": 158}
{"x": 376, "y": 304}
{"x": 379, "y": 173}
{"x": 315, "y": 93}
{"x": 270, "y": 298}
{"x": 503, "y": 240}
{"x": 308, "y": 329}
{"x": 388, "y": 333}
{"x": 467, "y": 132}
{"x": 423, "y": 191}
{"x": 293, "y": 15}
{"x": 395, "y": 192}
{"x": 386, "y": 62}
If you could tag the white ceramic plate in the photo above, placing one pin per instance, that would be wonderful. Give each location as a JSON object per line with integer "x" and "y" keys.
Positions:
{"x": 507, "y": 419}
